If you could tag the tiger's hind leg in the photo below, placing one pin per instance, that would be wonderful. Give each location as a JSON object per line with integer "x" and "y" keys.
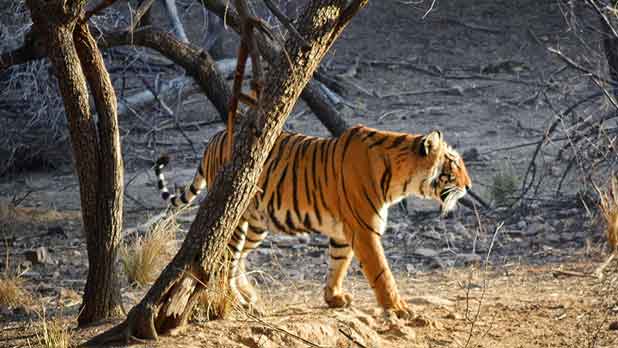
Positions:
{"x": 254, "y": 237}
{"x": 340, "y": 254}
{"x": 236, "y": 245}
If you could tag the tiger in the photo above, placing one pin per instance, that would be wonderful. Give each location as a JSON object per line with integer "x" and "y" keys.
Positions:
{"x": 340, "y": 187}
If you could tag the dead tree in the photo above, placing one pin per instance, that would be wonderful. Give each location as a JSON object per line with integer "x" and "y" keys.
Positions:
{"x": 77, "y": 64}
{"x": 168, "y": 304}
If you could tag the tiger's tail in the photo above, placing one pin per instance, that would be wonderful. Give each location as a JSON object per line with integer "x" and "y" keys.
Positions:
{"x": 188, "y": 195}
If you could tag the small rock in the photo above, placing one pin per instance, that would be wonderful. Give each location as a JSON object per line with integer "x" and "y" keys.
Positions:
{"x": 432, "y": 234}
{"x": 5, "y": 311}
{"x": 522, "y": 224}
{"x": 552, "y": 237}
{"x": 39, "y": 255}
{"x": 536, "y": 228}
{"x": 303, "y": 239}
{"x": 469, "y": 258}
{"x": 410, "y": 268}
{"x": 426, "y": 252}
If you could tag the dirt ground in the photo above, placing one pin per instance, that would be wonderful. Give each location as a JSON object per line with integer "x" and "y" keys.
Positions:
{"x": 499, "y": 278}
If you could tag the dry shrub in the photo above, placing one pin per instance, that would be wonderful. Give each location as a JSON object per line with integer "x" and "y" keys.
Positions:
{"x": 504, "y": 185}
{"x": 609, "y": 209}
{"x": 12, "y": 288}
{"x": 53, "y": 333}
{"x": 216, "y": 301}
{"x": 144, "y": 257}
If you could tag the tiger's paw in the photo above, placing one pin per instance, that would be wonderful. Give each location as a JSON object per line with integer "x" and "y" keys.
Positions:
{"x": 399, "y": 310}
{"x": 337, "y": 300}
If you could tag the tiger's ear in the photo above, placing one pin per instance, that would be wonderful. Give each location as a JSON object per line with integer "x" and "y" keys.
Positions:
{"x": 430, "y": 142}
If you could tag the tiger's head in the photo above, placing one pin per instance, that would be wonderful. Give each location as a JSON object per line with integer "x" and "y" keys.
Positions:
{"x": 447, "y": 181}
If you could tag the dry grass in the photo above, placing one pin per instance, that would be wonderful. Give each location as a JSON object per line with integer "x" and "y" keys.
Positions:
{"x": 144, "y": 257}
{"x": 53, "y": 333}
{"x": 12, "y": 290}
{"x": 609, "y": 209}
{"x": 216, "y": 301}
{"x": 504, "y": 185}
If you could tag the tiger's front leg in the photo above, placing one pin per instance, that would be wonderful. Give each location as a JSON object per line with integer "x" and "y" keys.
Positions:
{"x": 368, "y": 249}
{"x": 340, "y": 254}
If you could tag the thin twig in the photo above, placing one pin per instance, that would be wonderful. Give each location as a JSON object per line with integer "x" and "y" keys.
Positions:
{"x": 285, "y": 21}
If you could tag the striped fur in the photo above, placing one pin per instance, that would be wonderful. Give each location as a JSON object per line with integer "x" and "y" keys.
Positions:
{"x": 339, "y": 187}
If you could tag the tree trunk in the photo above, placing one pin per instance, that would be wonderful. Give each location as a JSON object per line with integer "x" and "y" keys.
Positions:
{"x": 168, "y": 304}
{"x": 76, "y": 60}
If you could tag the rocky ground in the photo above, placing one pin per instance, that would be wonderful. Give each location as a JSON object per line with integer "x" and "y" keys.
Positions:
{"x": 503, "y": 277}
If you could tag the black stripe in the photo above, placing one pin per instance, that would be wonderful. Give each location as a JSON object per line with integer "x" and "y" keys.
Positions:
{"x": 200, "y": 170}
{"x": 273, "y": 218}
{"x": 378, "y": 142}
{"x": 375, "y": 210}
{"x": 160, "y": 185}
{"x": 233, "y": 247}
{"x": 400, "y": 139}
{"x": 379, "y": 275}
{"x": 360, "y": 221}
{"x": 333, "y": 243}
{"x": 369, "y": 135}
{"x": 338, "y": 257}
{"x": 288, "y": 221}
{"x": 316, "y": 209}
{"x": 296, "y": 162}
{"x": 257, "y": 230}
{"x": 193, "y": 189}
{"x": 183, "y": 198}
{"x": 385, "y": 181}
{"x": 165, "y": 195}
{"x": 279, "y": 186}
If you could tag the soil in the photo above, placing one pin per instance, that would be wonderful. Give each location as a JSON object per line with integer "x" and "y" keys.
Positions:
{"x": 498, "y": 278}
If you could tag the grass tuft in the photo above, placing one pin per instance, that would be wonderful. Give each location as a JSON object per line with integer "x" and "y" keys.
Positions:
{"x": 12, "y": 288}
{"x": 609, "y": 210}
{"x": 144, "y": 257}
{"x": 53, "y": 333}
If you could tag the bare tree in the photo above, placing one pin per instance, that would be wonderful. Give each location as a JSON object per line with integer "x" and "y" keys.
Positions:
{"x": 168, "y": 304}
{"x": 77, "y": 63}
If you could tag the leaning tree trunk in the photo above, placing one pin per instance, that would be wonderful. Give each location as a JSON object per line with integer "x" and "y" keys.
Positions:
{"x": 168, "y": 304}
{"x": 77, "y": 61}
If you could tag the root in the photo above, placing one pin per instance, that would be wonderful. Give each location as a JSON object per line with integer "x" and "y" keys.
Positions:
{"x": 125, "y": 332}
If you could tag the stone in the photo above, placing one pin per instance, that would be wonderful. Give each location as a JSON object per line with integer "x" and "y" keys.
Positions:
{"x": 552, "y": 237}
{"x": 39, "y": 255}
{"x": 426, "y": 252}
{"x": 432, "y": 234}
{"x": 522, "y": 224}
{"x": 469, "y": 258}
{"x": 536, "y": 228}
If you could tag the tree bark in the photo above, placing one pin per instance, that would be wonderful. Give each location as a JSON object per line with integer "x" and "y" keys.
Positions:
{"x": 96, "y": 148}
{"x": 167, "y": 305}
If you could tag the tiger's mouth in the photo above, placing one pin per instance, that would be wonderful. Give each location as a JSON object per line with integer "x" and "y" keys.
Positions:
{"x": 449, "y": 197}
